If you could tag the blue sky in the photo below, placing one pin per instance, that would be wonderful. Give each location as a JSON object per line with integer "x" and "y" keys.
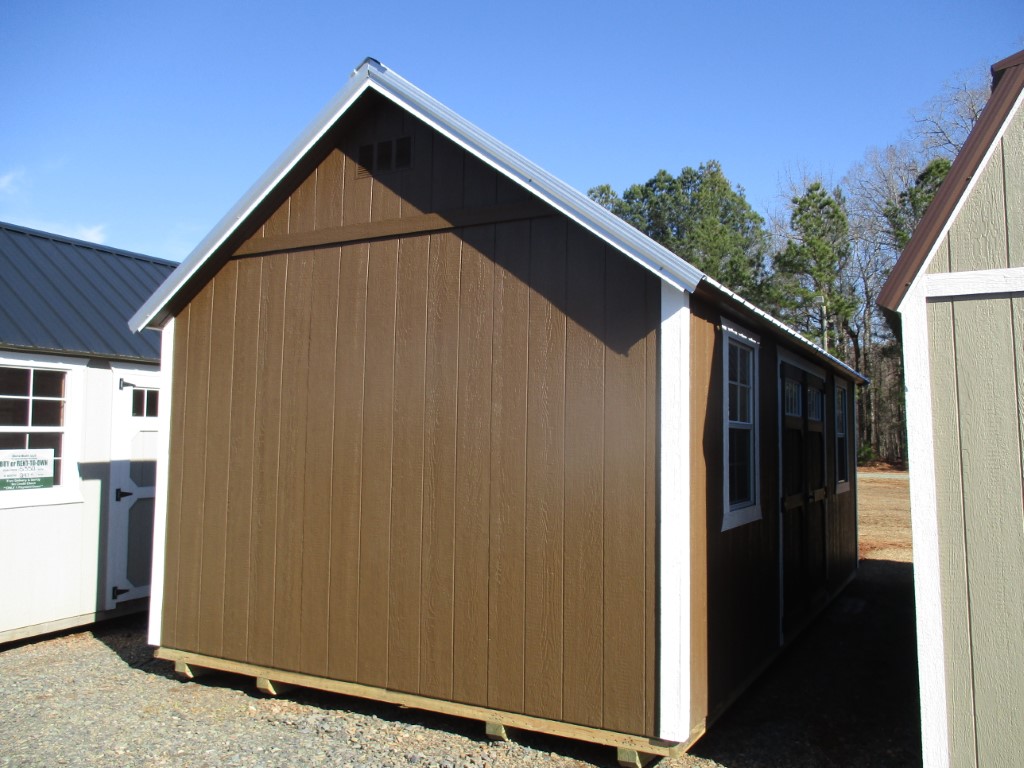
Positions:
{"x": 140, "y": 124}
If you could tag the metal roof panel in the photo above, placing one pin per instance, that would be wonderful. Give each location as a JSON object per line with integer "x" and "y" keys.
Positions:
{"x": 73, "y": 297}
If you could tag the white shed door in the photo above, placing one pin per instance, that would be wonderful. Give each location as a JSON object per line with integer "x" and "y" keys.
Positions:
{"x": 133, "y": 452}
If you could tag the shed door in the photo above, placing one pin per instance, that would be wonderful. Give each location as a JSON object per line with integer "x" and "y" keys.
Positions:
{"x": 804, "y": 492}
{"x": 133, "y": 452}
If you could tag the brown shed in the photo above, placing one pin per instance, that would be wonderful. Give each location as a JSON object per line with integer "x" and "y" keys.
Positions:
{"x": 445, "y": 432}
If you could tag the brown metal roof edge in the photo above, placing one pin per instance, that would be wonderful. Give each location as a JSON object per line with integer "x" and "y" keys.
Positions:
{"x": 1001, "y": 66}
{"x": 1007, "y": 83}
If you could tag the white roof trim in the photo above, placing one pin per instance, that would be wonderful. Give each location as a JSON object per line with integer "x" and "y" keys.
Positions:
{"x": 775, "y": 322}
{"x": 372, "y": 74}
{"x": 575, "y": 205}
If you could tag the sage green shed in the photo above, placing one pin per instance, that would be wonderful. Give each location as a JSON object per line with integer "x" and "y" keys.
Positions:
{"x": 958, "y": 294}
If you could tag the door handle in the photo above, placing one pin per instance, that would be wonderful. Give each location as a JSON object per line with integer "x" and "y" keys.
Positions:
{"x": 119, "y": 494}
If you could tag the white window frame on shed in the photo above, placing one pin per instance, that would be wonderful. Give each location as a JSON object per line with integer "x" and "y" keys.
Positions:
{"x": 746, "y": 510}
{"x": 843, "y": 457}
{"x": 69, "y": 490}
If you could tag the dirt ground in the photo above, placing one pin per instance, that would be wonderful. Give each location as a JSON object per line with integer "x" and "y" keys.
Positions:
{"x": 883, "y": 510}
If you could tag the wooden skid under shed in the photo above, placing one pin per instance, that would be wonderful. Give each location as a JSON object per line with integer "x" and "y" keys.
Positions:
{"x": 630, "y": 747}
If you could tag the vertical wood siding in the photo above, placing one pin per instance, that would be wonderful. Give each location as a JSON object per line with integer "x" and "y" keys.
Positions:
{"x": 426, "y": 462}
{"x": 977, "y": 391}
{"x": 736, "y": 580}
{"x": 977, "y": 395}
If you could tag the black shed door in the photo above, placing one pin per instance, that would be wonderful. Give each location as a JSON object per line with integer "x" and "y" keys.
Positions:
{"x": 804, "y": 493}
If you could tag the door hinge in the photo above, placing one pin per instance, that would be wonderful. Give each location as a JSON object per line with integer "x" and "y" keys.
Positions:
{"x": 116, "y": 592}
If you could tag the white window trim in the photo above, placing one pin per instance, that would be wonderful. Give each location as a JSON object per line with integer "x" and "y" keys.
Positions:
{"x": 844, "y": 386}
{"x": 733, "y": 517}
{"x": 70, "y": 489}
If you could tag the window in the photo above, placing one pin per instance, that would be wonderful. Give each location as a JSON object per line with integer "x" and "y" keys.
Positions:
{"x": 32, "y": 413}
{"x": 740, "y": 425}
{"x": 815, "y": 404}
{"x": 794, "y": 399}
{"x": 842, "y": 436}
{"x": 145, "y": 402}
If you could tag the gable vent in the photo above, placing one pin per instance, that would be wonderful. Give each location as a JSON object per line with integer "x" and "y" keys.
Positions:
{"x": 390, "y": 155}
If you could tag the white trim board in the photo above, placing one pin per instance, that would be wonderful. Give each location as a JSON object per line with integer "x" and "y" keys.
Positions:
{"x": 674, "y": 519}
{"x": 925, "y": 529}
{"x": 156, "y": 599}
{"x": 974, "y": 283}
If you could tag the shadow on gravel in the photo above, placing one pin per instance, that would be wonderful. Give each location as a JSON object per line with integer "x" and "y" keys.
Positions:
{"x": 845, "y": 693}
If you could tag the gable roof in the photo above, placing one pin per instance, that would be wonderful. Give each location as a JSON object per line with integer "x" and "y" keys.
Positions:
{"x": 372, "y": 75}
{"x": 69, "y": 296}
{"x": 1007, "y": 91}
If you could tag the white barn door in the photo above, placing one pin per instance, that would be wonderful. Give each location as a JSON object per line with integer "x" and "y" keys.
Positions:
{"x": 134, "y": 446}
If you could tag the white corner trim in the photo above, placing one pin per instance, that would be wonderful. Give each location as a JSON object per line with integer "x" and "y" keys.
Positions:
{"x": 974, "y": 283}
{"x": 925, "y": 528}
{"x": 156, "y": 594}
{"x": 674, "y": 518}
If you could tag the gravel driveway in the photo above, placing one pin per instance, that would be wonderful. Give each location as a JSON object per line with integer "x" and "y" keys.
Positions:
{"x": 844, "y": 694}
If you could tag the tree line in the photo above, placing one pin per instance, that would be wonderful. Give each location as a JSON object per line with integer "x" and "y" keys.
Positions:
{"x": 819, "y": 264}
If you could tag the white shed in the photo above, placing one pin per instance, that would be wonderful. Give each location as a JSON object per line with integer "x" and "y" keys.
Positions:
{"x": 78, "y": 398}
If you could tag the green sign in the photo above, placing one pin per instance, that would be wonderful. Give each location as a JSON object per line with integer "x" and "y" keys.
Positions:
{"x": 24, "y": 469}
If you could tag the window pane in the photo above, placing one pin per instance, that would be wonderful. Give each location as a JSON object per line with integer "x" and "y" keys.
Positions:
{"x": 14, "y": 381}
{"x": 151, "y": 402}
{"x": 12, "y": 441}
{"x": 744, "y": 359}
{"x": 794, "y": 406}
{"x": 138, "y": 402}
{"x": 815, "y": 404}
{"x": 48, "y": 384}
{"x": 842, "y": 444}
{"x": 13, "y": 413}
{"x": 740, "y": 481}
{"x": 49, "y": 440}
{"x": 46, "y": 440}
{"x": 47, "y": 413}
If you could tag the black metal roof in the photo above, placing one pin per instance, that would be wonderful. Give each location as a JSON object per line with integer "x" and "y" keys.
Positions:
{"x": 62, "y": 295}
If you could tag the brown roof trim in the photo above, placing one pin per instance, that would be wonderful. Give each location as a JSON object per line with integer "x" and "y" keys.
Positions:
{"x": 1001, "y": 66}
{"x": 1007, "y": 83}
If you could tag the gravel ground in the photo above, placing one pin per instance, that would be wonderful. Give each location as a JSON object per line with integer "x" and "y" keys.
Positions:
{"x": 844, "y": 694}
{"x": 98, "y": 698}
